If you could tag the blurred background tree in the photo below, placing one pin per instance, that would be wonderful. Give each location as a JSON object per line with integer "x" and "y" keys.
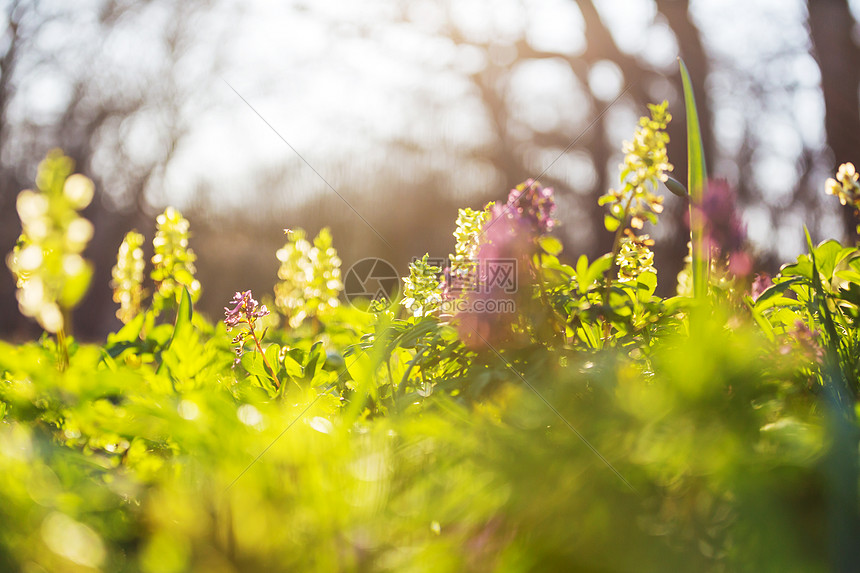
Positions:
{"x": 107, "y": 81}
{"x": 408, "y": 110}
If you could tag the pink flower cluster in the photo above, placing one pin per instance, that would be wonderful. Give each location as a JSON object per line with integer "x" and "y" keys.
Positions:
{"x": 761, "y": 283}
{"x": 725, "y": 231}
{"x": 245, "y": 309}
{"x": 530, "y": 203}
{"x": 509, "y": 237}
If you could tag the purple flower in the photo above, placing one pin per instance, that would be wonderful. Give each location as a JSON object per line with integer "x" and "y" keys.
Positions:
{"x": 760, "y": 284}
{"x": 503, "y": 275}
{"x": 530, "y": 202}
{"x": 502, "y": 280}
{"x": 245, "y": 309}
{"x": 725, "y": 232}
{"x": 808, "y": 342}
{"x": 723, "y": 225}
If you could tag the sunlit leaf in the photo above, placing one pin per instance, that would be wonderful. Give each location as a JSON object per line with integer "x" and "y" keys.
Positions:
{"x": 697, "y": 176}
{"x": 550, "y": 244}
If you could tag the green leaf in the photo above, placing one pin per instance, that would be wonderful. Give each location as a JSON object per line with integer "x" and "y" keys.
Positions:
{"x": 293, "y": 367}
{"x": 760, "y": 319}
{"x": 130, "y": 332}
{"x": 581, "y": 268}
{"x": 361, "y": 368}
{"x": 273, "y": 352}
{"x": 611, "y": 223}
{"x": 849, "y": 276}
{"x": 183, "y": 316}
{"x": 423, "y": 327}
{"x": 107, "y": 360}
{"x": 696, "y": 176}
{"x": 802, "y": 268}
{"x": 773, "y": 301}
{"x": 550, "y": 263}
{"x": 252, "y": 362}
{"x": 160, "y": 335}
{"x": 832, "y": 370}
{"x": 314, "y": 363}
{"x": 646, "y": 285}
{"x": 550, "y": 244}
{"x": 598, "y": 268}
{"x": 776, "y": 290}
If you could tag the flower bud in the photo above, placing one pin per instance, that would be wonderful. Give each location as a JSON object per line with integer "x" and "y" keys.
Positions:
{"x": 79, "y": 190}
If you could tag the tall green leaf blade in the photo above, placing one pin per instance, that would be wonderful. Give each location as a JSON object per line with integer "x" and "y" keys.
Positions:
{"x": 183, "y": 315}
{"x": 831, "y": 369}
{"x": 181, "y": 328}
{"x": 697, "y": 175}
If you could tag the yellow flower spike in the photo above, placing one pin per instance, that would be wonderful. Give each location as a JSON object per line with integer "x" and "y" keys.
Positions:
{"x": 51, "y": 275}
{"x": 310, "y": 278}
{"x": 127, "y": 276}
{"x": 79, "y": 190}
{"x": 173, "y": 260}
{"x": 645, "y": 165}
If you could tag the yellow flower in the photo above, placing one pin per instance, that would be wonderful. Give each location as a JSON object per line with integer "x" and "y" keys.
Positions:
{"x": 646, "y": 162}
{"x": 173, "y": 259}
{"x": 127, "y": 276}
{"x": 845, "y": 186}
{"x": 51, "y": 275}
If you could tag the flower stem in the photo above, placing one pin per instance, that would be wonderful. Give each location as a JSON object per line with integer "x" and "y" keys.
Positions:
{"x": 616, "y": 244}
{"x": 263, "y": 354}
{"x": 560, "y": 322}
{"x": 616, "y": 248}
{"x": 62, "y": 350}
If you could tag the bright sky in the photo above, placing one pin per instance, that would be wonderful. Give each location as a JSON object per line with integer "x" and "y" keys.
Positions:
{"x": 338, "y": 78}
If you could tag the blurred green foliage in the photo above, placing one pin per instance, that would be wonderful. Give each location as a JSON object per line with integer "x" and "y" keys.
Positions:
{"x": 143, "y": 459}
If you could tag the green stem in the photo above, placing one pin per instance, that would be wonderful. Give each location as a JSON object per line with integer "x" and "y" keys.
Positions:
{"x": 405, "y": 379}
{"x": 561, "y": 323}
{"x": 263, "y": 354}
{"x": 424, "y": 382}
{"x": 63, "y": 341}
{"x": 62, "y": 350}
{"x": 613, "y": 269}
{"x": 391, "y": 384}
{"x": 616, "y": 244}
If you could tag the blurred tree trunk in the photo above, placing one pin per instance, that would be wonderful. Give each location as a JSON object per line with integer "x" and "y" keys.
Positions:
{"x": 692, "y": 51}
{"x": 670, "y": 254}
{"x": 88, "y": 124}
{"x": 830, "y": 28}
{"x": 15, "y": 39}
{"x": 638, "y": 77}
